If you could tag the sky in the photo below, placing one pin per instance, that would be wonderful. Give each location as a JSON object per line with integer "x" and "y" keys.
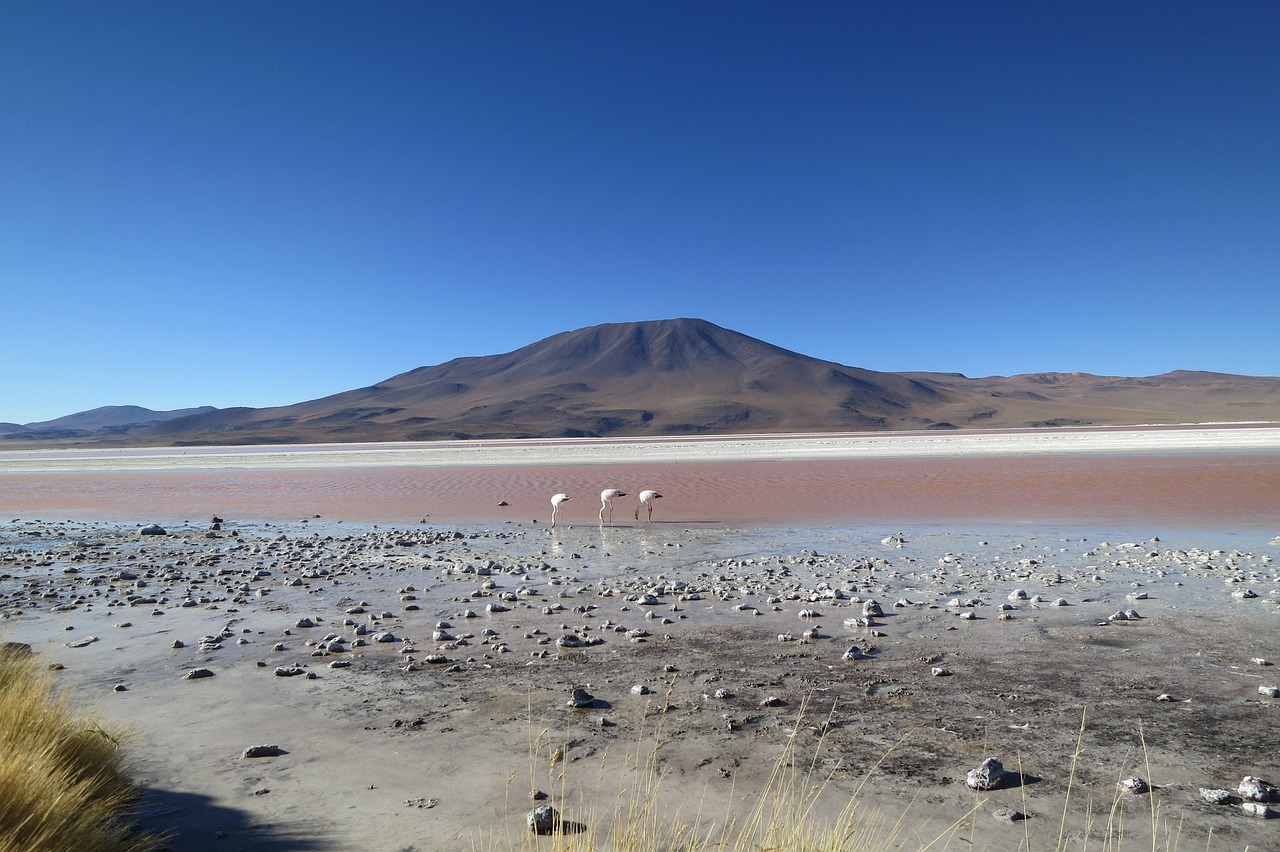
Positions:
{"x": 245, "y": 203}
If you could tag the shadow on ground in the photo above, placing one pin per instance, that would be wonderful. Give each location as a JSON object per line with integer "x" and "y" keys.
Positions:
{"x": 189, "y": 822}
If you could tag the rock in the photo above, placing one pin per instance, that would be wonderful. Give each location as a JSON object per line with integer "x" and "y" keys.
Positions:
{"x": 773, "y": 701}
{"x": 871, "y": 609}
{"x": 1269, "y": 691}
{"x": 304, "y": 622}
{"x": 80, "y": 643}
{"x": 854, "y": 653}
{"x": 196, "y": 674}
{"x": 640, "y": 689}
{"x": 543, "y": 820}
{"x": 1136, "y": 786}
{"x": 1215, "y": 797}
{"x": 1254, "y": 789}
{"x": 290, "y": 671}
{"x": 581, "y": 699}
{"x": 1257, "y": 809}
{"x": 14, "y": 649}
{"x": 152, "y": 529}
{"x": 1008, "y": 815}
{"x": 263, "y": 751}
{"x": 988, "y": 776}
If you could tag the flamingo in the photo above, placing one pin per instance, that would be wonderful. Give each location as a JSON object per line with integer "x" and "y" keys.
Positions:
{"x": 556, "y": 500}
{"x": 646, "y": 502}
{"x": 606, "y": 502}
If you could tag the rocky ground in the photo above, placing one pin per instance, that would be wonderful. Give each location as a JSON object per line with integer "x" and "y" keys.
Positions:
{"x": 417, "y": 682}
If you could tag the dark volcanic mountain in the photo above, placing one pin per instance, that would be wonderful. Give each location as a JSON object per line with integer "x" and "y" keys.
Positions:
{"x": 690, "y": 377}
{"x": 671, "y": 377}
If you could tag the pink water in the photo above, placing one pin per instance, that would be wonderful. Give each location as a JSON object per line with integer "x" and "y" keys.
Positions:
{"x": 1209, "y": 490}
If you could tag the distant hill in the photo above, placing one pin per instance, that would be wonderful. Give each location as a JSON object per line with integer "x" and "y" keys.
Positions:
{"x": 109, "y": 420}
{"x": 686, "y": 377}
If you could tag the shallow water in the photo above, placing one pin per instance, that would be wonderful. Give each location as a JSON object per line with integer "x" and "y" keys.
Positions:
{"x": 1207, "y": 491}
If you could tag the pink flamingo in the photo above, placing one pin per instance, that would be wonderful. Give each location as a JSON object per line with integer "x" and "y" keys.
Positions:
{"x": 606, "y": 502}
{"x": 556, "y": 500}
{"x": 646, "y": 502}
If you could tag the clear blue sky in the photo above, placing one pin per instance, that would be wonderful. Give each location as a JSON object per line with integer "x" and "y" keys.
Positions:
{"x": 257, "y": 203}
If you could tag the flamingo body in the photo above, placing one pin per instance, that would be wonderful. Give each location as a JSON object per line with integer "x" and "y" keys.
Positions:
{"x": 646, "y": 502}
{"x": 607, "y": 497}
{"x": 556, "y": 500}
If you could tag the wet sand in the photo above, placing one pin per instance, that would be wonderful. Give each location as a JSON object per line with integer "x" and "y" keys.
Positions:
{"x": 394, "y": 751}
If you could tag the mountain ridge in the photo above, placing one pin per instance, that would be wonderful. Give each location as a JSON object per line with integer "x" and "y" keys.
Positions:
{"x": 680, "y": 377}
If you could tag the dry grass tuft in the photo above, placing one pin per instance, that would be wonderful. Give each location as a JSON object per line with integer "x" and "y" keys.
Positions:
{"x": 60, "y": 785}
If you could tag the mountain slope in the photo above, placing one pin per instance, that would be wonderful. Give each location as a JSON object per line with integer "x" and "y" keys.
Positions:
{"x": 668, "y": 377}
{"x": 678, "y": 377}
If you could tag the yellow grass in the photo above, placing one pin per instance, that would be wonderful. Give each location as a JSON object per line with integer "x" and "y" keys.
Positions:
{"x": 60, "y": 785}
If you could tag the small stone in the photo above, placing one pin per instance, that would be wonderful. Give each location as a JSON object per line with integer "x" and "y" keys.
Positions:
{"x": 1215, "y": 797}
{"x": 1008, "y": 815}
{"x": 1136, "y": 786}
{"x": 152, "y": 529}
{"x": 581, "y": 699}
{"x": 773, "y": 701}
{"x": 196, "y": 674}
{"x": 263, "y": 751}
{"x": 543, "y": 820}
{"x": 1269, "y": 691}
{"x": 1257, "y": 809}
{"x": 987, "y": 776}
{"x": 14, "y": 649}
{"x": 1254, "y": 789}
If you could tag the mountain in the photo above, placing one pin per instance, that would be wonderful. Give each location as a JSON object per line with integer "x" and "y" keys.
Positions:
{"x": 97, "y": 423}
{"x": 691, "y": 377}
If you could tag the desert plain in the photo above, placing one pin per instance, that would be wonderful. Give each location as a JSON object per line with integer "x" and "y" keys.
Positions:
{"x": 403, "y": 624}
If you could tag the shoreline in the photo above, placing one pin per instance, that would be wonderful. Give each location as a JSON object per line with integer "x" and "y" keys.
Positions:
{"x": 1233, "y": 438}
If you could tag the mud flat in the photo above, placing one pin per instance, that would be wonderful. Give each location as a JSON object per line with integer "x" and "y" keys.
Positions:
{"x": 415, "y": 679}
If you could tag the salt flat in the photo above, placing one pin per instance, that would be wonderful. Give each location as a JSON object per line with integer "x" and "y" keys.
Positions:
{"x": 891, "y": 445}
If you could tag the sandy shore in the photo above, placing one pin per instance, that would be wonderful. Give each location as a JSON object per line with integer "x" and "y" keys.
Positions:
{"x": 396, "y": 750}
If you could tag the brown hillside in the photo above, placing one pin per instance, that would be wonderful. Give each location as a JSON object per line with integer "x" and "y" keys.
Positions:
{"x": 690, "y": 377}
